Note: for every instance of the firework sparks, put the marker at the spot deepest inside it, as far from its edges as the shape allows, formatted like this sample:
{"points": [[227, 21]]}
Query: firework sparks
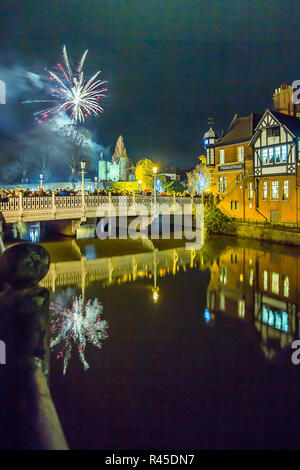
{"points": [[77, 326], [72, 93]]}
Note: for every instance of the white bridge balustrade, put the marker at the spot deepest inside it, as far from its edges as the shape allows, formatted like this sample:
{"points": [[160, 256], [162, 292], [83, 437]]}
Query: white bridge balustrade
{"points": [[126, 268], [42, 208]]}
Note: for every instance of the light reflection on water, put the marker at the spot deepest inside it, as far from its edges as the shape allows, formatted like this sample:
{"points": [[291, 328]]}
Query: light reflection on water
{"points": [[257, 284], [187, 327]]}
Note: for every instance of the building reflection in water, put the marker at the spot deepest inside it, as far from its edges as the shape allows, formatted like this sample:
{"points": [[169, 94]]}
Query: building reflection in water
{"points": [[75, 327], [260, 286], [252, 283]]}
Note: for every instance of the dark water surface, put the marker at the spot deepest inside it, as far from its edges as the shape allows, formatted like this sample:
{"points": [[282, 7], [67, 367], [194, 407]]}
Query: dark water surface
{"points": [[198, 353]]}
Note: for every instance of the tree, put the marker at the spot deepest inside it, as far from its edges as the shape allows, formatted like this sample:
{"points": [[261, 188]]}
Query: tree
{"points": [[168, 185], [76, 138], [144, 172], [198, 179], [216, 221], [120, 151]]}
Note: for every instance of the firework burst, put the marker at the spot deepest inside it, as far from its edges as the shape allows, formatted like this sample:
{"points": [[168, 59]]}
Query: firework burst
{"points": [[72, 93], [77, 326]]}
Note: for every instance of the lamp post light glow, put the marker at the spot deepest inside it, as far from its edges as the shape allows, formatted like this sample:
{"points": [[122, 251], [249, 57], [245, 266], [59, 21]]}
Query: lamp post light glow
{"points": [[96, 180], [155, 295], [41, 180], [140, 185], [82, 165]]}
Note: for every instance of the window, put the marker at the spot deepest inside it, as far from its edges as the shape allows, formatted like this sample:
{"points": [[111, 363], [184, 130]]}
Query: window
{"points": [[234, 258], [273, 131], [272, 155], [222, 156], [275, 190], [240, 154], [241, 308], [275, 283], [222, 184], [222, 301], [283, 153], [285, 189], [286, 286], [210, 156], [265, 280], [265, 190], [236, 205], [251, 276], [264, 155], [277, 154], [250, 190], [223, 274]]}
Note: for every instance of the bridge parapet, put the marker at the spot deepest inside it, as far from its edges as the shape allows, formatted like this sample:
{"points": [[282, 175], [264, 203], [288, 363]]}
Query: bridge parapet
{"points": [[40, 208]]}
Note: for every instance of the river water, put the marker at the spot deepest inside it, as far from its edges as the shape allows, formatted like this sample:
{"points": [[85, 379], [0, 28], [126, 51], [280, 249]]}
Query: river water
{"points": [[182, 349]]}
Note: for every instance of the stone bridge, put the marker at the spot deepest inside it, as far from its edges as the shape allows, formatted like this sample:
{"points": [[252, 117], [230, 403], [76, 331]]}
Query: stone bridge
{"points": [[120, 269], [78, 207]]}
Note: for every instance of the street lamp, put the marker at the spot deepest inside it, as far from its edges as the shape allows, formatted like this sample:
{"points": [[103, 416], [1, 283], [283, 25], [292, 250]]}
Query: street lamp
{"points": [[82, 165], [96, 182], [41, 180], [140, 185], [154, 182]]}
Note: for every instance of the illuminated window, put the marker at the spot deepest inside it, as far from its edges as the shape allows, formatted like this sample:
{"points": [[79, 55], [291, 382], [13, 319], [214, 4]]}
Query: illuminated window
{"points": [[283, 153], [275, 283], [264, 155], [222, 184], [240, 154], [275, 190], [210, 156], [222, 301], [250, 190], [277, 154], [286, 286], [222, 156], [285, 189], [265, 280], [285, 322], [223, 274], [241, 308], [251, 276], [265, 190]]}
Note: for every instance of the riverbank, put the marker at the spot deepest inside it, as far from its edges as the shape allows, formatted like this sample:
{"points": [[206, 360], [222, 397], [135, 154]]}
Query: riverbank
{"points": [[268, 232]]}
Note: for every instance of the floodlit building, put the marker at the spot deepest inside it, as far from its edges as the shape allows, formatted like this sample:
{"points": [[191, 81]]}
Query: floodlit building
{"points": [[254, 167]]}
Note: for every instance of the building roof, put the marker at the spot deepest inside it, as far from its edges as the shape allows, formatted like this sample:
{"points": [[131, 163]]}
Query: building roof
{"points": [[210, 133], [291, 122], [241, 130]]}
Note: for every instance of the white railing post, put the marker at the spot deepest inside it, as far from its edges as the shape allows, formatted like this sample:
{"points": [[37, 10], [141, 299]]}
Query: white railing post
{"points": [[21, 204], [53, 204], [174, 199]]}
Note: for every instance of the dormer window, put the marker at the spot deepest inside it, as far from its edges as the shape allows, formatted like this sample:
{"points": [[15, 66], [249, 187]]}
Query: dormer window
{"points": [[222, 156], [273, 131]]}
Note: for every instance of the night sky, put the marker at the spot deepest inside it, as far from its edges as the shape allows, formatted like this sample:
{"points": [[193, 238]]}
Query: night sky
{"points": [[170, 64]]}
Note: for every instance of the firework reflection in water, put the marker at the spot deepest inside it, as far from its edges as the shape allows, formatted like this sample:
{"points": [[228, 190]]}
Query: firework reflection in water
{"points": [[75, 327]]}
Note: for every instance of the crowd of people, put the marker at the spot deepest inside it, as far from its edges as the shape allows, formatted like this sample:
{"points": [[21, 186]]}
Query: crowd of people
{"points": [[6, 194]]}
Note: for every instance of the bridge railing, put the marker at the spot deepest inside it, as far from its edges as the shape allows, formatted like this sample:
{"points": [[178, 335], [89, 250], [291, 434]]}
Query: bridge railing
{"points": [[68, 202], [36, 203]]}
